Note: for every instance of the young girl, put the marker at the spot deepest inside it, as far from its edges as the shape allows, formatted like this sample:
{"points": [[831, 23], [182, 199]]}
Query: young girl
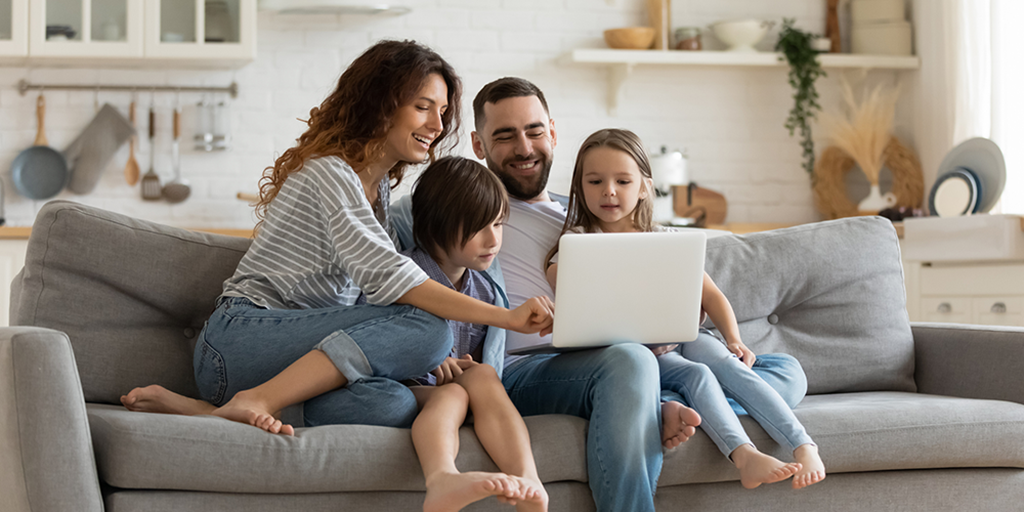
{"points": [[610, 193]]}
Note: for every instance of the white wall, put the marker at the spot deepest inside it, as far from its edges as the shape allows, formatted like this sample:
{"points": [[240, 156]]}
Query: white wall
{"points": [[729, 119]]}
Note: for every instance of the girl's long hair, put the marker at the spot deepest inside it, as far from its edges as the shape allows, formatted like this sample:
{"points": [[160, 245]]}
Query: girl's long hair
{"points": [[353, 122], [578, 215]]}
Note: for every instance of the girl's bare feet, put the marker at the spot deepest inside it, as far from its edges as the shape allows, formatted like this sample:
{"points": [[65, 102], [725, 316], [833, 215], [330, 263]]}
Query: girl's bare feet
{"points": [[450, 492], [813, 470], [534, 497], [245, 408], [156, 398], [678, 423], [757, 468]]}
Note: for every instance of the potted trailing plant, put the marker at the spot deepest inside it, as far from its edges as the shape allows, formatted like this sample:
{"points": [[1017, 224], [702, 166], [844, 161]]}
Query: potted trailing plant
{"points": [[804, 70]]}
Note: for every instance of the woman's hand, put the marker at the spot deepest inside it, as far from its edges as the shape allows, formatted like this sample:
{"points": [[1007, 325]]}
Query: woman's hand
{"points": [[452, 368], [661, 349], [745, 354], [535, 315]]}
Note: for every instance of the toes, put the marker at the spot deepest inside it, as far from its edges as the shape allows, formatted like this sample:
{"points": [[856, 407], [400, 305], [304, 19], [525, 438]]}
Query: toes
{"points": [[287, 430]]}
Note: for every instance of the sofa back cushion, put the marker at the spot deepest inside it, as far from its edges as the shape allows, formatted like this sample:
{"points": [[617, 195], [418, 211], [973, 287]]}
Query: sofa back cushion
{"points": [[132, 295], [831, 294]]}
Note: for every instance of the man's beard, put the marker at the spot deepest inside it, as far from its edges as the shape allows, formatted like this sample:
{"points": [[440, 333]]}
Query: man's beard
{"points": [[522, 190]]}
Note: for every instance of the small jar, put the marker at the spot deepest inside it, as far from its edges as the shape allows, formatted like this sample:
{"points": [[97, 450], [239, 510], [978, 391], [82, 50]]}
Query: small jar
{"points": [[688, 38]]}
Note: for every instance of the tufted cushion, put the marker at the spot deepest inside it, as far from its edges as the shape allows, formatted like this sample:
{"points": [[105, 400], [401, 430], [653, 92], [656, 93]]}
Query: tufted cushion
{"points": [[131, 295], [831, 294]]}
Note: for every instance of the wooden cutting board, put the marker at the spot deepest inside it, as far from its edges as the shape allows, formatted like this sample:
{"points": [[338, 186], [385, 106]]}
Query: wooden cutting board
{"points": [[659, 13], [690, 200]]}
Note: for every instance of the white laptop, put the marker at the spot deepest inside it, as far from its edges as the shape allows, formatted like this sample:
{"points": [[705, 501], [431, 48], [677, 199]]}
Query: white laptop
{"points": [[626, 288]]}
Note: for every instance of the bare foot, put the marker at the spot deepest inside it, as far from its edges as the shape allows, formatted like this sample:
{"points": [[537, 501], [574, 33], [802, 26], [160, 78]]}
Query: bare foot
{"points": [[757, 468], [245, 409], [156, 398], [450, 492], [534, 497], [813, 470], [679, 423]]}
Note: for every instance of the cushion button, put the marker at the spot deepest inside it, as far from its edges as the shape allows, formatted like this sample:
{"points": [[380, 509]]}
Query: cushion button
{"points": [[773, 319], [190, 333]]}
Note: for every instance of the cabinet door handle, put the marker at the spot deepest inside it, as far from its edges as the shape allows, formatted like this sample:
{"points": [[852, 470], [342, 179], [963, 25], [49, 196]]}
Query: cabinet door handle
{"points": [[945, 308], [998, 307]]}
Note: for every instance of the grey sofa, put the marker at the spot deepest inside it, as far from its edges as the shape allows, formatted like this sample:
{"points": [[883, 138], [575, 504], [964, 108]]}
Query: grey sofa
{"points": [[908, 417]]}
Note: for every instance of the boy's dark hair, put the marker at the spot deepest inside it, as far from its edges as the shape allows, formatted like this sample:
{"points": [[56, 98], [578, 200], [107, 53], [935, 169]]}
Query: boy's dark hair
{"points": [[454, 198], [502, 88]]}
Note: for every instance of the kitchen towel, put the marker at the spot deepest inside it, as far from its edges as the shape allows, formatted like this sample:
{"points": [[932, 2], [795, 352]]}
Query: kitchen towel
{"points": [[92, 150]]}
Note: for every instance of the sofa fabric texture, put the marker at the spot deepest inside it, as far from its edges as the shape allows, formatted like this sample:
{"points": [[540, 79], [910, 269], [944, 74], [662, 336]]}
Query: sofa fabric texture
{"points": [[831, 292]]}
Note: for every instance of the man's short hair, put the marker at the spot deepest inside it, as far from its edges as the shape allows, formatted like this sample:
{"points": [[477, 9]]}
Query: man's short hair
{"points": [[502, 88], [455, 198]]}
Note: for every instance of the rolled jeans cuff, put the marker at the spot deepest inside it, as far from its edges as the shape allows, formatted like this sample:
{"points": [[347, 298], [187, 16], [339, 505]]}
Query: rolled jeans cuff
{"points": [[346, 355]]}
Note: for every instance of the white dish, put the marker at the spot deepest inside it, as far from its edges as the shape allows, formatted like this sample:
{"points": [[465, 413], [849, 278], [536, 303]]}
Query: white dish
{"points": [[893, 38], [877, 11], [741, 35], [983, 157], [954, 194]]}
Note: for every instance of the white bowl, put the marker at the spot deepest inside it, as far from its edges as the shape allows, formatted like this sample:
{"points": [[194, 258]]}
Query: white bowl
{"points": [[741, 35]]}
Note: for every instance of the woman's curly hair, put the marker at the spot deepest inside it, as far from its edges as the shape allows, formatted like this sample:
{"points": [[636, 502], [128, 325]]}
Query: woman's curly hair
{"points": [[353, 122]]}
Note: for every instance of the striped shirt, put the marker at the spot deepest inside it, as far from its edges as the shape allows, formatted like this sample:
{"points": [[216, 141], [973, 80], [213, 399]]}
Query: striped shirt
{"points": [[322, 244]]}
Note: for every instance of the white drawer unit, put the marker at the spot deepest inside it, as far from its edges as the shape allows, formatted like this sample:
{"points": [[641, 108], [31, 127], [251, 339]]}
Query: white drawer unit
{"points": [[979, 293]]}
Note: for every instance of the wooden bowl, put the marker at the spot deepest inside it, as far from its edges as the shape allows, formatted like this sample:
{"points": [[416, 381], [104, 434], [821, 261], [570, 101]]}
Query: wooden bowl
{"points": [[629, 38]]}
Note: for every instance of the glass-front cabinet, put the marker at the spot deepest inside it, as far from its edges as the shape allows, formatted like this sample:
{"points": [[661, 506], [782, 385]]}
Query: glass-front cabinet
{"points": [[86, 28], [213, 29], [13, 28]]}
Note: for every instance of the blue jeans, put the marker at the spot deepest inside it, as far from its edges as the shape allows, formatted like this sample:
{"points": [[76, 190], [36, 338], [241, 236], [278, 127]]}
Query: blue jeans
{"points": [[705, 372], [374, 347], [617, 389]]}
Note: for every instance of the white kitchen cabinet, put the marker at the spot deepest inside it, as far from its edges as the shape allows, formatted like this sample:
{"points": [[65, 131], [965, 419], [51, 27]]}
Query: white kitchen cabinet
{"points": [[197, 30], [13, 28], [99, 28], [983, 293], [12, 259]]}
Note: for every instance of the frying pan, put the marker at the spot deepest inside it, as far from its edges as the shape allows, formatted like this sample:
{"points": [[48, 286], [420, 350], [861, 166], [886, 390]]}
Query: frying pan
{"points": [[40, 172]]}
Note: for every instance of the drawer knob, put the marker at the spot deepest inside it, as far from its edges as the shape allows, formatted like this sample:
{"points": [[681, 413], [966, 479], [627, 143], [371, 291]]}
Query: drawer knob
{"points": [[945, 308], [998, 307]]}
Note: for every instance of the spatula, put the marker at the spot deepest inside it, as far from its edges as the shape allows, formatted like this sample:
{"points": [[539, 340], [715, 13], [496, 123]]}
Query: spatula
{"points": [[131, 169], [151, 190]]}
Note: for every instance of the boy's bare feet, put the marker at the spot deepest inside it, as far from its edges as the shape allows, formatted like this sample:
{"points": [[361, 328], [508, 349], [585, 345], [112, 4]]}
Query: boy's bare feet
{"points": [[450, 492], [678, 423], [534, 497], [244, 408], [813, 470], [757, 468], [156, 398]]}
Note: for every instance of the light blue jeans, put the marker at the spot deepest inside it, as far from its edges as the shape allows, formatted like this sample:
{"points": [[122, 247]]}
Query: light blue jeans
{"points": [[706, 373], [617, 389], [374, 347]]}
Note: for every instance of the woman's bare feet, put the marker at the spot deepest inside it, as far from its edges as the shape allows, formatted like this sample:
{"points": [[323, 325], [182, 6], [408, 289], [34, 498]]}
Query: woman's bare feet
{"points": [[678, 423], [245, 408], [156, 398], [534, 497], [757, 468], [813, 470], [450, 492]]}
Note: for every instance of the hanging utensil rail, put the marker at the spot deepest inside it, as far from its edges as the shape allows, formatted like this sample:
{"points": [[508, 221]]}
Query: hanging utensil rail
{"points": [[24, 87]]}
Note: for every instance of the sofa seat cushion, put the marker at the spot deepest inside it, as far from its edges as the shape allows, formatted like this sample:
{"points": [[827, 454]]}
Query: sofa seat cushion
{"points": [[876, 431], [137, 450]]}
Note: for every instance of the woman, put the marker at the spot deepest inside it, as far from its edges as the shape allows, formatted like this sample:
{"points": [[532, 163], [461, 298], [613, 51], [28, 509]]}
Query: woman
{"points": [[285, 329]]}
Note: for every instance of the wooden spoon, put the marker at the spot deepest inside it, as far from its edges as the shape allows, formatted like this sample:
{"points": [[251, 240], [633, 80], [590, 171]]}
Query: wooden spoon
{"points": [[131, 169]]}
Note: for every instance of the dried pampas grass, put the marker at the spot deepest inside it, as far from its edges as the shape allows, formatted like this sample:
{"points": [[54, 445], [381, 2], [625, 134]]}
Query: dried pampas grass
{"points": [[830, 186], [865, 130]]}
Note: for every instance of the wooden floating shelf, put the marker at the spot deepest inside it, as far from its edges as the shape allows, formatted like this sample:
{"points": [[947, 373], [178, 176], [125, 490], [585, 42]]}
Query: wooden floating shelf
{"points": [[622, 62]]}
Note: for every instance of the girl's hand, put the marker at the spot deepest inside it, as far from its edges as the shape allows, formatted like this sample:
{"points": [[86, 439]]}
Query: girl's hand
{"points": [[745, 354], [535, 315], [452, 368], [661, 349]]}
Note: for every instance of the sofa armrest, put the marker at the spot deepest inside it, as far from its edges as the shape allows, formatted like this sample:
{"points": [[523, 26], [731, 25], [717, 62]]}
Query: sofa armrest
{"points": [[47, 462], [969, 361]]}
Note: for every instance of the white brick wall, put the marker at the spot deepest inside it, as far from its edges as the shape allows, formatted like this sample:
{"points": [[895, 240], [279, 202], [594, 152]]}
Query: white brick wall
{"points": [[729, 119]]}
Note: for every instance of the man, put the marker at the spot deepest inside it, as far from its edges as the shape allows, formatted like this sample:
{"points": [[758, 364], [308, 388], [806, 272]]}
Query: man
{"points": [[617, 388]]}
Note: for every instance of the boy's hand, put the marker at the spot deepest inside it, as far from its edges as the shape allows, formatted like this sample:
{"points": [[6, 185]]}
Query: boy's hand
{"points": [[535, 315], [661, 349], [452, 368], [745, 354]]}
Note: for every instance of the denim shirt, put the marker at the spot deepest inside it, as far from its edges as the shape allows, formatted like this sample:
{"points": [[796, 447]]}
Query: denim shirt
{"points": [[494, 342]]}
